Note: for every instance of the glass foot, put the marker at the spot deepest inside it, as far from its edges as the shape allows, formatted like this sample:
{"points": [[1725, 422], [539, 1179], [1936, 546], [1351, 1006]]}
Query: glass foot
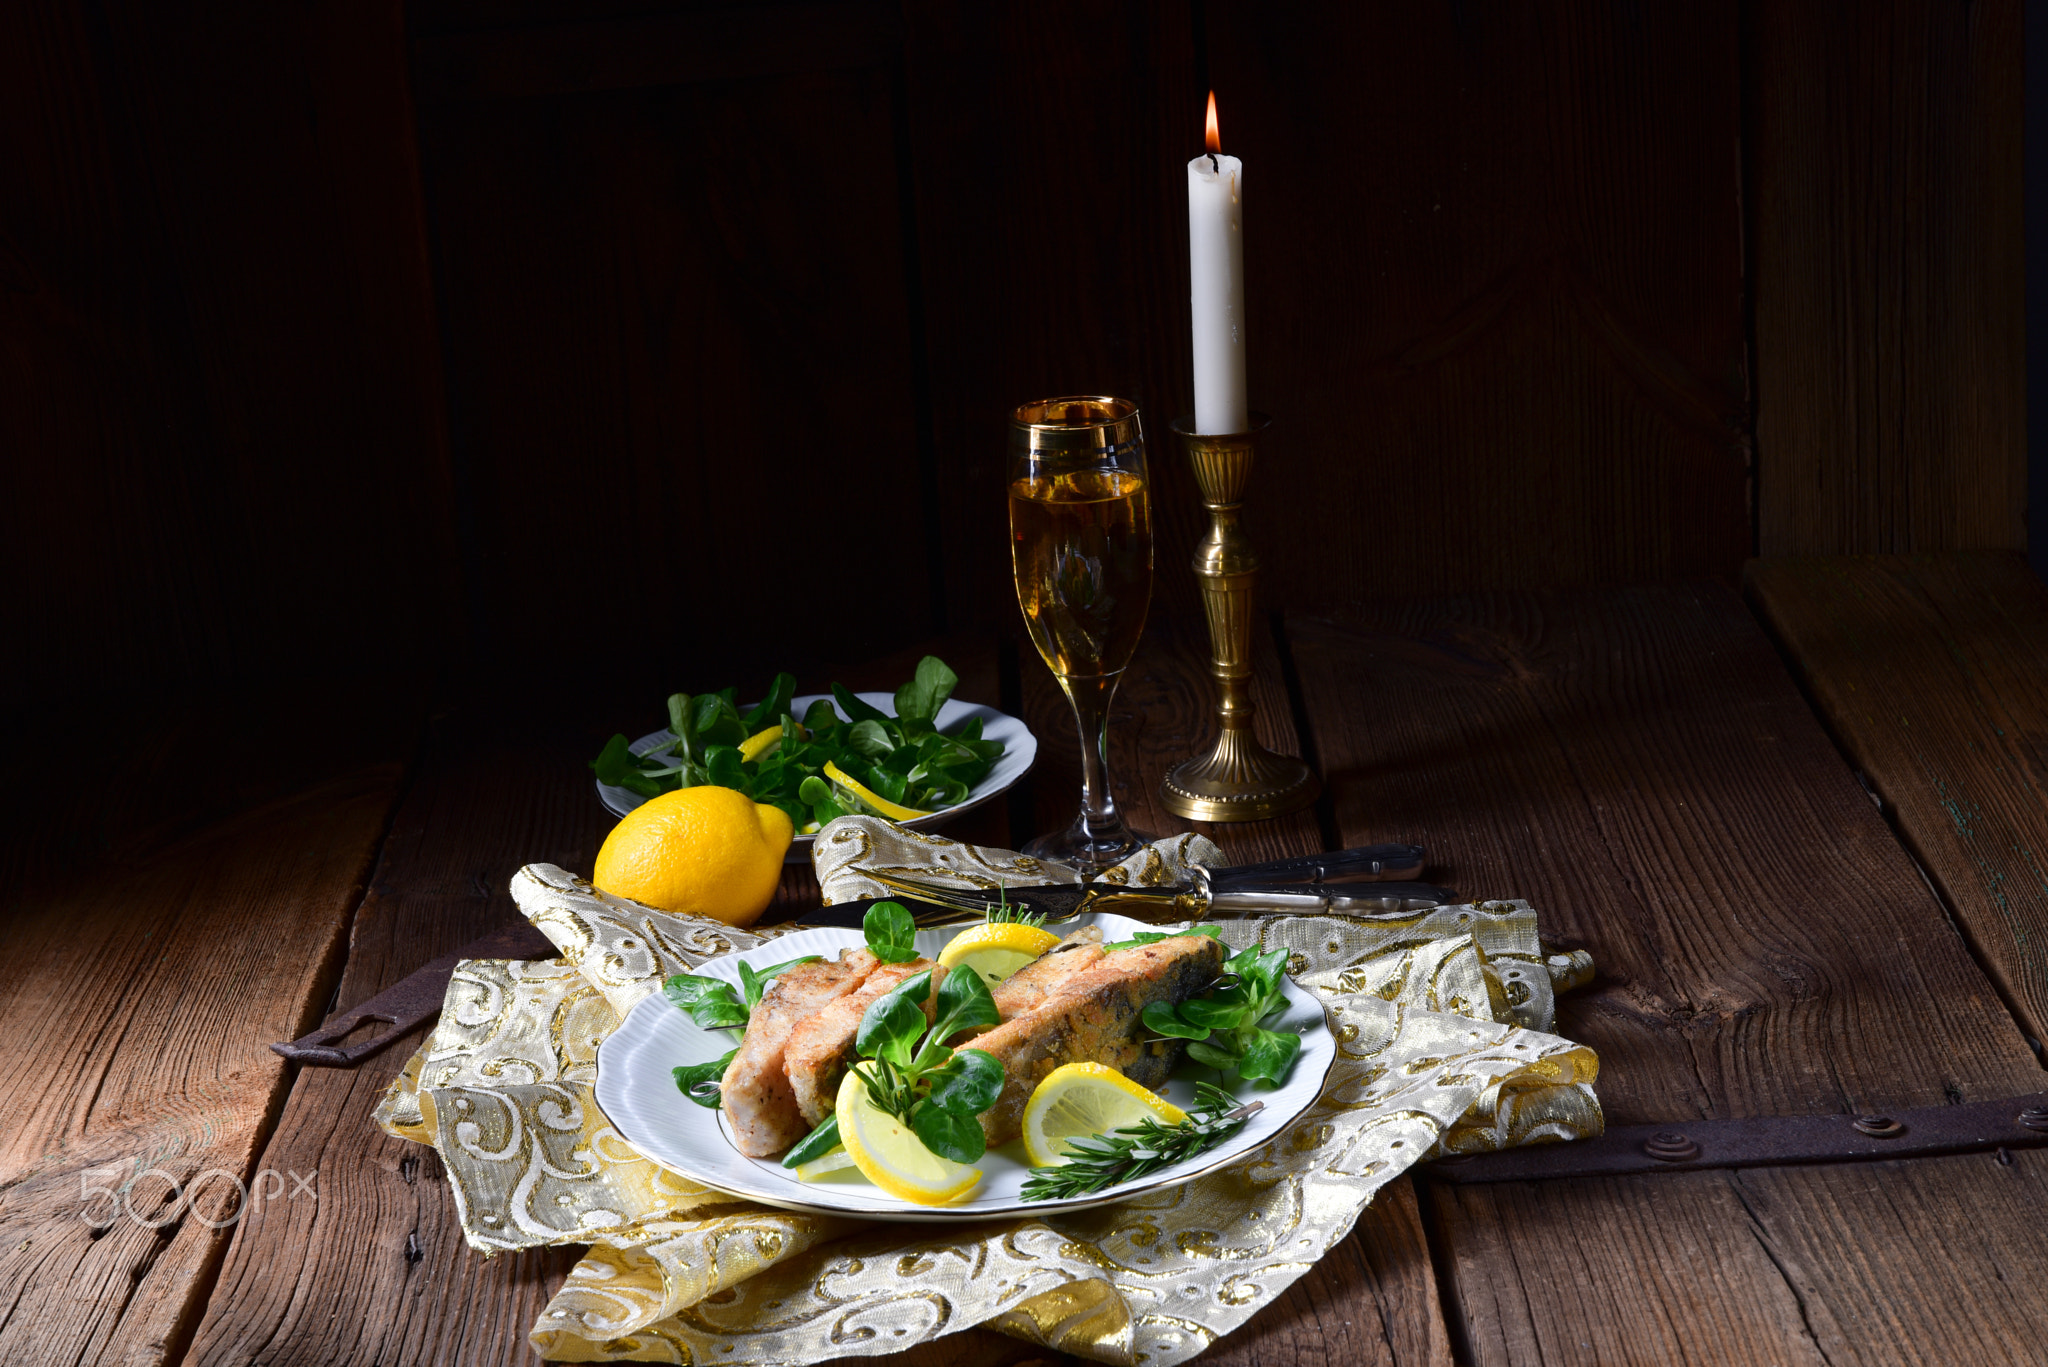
{"points": [[1091, 850]]}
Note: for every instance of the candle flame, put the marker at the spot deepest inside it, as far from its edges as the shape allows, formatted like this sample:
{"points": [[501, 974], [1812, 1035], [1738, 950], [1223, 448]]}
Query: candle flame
{"points": [[1210, 135]]}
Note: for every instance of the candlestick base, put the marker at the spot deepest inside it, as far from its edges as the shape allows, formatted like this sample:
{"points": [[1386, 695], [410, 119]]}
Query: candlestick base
{"points": [[1238, 779]]}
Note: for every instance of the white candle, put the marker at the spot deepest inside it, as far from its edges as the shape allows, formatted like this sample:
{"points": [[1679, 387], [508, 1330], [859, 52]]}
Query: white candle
{"points": [[1216, 268]]}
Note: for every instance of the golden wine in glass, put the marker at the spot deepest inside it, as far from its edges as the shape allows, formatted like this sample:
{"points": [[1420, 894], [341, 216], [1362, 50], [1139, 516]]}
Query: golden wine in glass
{"points": [[1081, 555]]}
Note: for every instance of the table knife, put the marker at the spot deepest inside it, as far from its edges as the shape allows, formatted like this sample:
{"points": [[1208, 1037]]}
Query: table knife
{"points": [[931, 905], [1277, 886]]}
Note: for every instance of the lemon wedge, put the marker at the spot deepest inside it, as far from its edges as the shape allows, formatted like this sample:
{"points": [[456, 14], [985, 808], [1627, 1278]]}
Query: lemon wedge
{"points": [[1080, 1099], [838, 1160], [891, 1156], [996, 951], [761, 742], [895, 811]]}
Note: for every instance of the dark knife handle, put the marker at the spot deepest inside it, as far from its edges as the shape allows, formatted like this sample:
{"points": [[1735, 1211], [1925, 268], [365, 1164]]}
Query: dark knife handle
{"points": [[850, 915], [415, 998], [1359, 864]]}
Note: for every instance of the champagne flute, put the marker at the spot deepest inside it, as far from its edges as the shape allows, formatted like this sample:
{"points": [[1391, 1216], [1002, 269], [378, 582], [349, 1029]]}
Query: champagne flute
{"points": [[1081, 553]]}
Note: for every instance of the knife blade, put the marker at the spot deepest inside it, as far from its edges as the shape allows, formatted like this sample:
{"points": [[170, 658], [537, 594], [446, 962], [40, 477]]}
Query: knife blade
{"points": [[1237, 890], [1155, 906]]}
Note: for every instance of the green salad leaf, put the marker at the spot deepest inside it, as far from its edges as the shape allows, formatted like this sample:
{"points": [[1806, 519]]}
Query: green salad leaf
{"points": [[913, 1074], [903, 758], [713, 1005], [1223, 1026], [891, 932], [816, 1144], [699, 1081]]}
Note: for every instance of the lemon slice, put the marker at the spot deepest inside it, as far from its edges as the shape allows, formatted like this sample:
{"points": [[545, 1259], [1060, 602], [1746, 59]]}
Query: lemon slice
{"points": [[761, 742], [997, 951], [892, 1157], [838, 1160], [895, 811], [1080, 1099]]}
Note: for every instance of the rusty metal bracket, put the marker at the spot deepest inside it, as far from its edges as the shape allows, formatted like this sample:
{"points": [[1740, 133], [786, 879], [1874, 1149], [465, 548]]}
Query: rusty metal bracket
{"points": [[1766, 1141], [412, 1000]]}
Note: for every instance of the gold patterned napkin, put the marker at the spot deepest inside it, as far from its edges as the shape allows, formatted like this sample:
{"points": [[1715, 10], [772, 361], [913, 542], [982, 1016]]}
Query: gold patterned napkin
{"points": [[1440, 1017]]}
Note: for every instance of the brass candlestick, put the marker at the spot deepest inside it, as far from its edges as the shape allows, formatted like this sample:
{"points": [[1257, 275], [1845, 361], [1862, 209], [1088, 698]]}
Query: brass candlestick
{"points": [[1238, 779]]}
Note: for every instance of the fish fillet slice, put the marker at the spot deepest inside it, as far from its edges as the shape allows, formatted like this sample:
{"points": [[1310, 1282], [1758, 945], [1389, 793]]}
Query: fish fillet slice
{"points": [[1027, 988], [755, 1093], [821, 1045], [1095, 1016]]}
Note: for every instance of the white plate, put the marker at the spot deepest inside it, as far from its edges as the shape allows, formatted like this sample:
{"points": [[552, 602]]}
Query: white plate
{"points": [[1020, 750], [636, 1090]]}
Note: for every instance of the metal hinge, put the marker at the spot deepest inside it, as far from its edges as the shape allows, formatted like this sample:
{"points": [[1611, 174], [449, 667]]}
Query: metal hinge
{"points": [[1766, 1141]]}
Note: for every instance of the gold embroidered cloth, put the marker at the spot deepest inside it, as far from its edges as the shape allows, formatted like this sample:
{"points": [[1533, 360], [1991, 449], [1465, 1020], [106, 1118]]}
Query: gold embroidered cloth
{"points": [[1441, 1020]]}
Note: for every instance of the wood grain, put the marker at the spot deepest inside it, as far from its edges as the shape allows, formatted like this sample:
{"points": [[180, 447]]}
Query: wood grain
{"points": [[1887, 271], [1927, 1261], [1637, 764], [1164, 712], [1494, 291], [681, 372], [161, 930], [1930, 670], [1373, 1298], [499, 786], [221, 394], [378, 1270], [1049, 145]]}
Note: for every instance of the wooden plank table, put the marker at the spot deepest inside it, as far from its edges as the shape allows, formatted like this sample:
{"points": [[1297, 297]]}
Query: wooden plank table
{"points": [[1638, 762]]}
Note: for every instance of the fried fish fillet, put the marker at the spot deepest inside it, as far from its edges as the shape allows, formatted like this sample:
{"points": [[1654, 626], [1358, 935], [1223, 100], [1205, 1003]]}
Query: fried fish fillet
{"points": [[1027, 988], [821, 1045], [1094, 1015], [755, 1092]]}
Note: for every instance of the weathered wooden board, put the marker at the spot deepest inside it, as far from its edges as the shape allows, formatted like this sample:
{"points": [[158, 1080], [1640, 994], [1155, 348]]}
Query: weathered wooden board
{"points": [[1373, 1299], [1932, 672], [679, 329], [168, 912], [220, 405], [1887, 263], [1164, 712], [1051, 232], [378, 1270], [1637, 764], [382, 1254], [1493, 283]]}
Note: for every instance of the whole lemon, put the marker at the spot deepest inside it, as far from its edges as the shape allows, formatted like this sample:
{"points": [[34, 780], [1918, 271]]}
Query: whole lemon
{"points": [[710, 851]]}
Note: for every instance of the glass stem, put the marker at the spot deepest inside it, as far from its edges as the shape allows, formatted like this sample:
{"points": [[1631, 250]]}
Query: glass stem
{"points": [[1090, 697]]}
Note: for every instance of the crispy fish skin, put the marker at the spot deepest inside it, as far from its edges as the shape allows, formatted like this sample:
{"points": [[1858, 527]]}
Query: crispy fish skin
{"points": [[755, 1093], [821, 1045], [1095, 1016], [1027, 989]]}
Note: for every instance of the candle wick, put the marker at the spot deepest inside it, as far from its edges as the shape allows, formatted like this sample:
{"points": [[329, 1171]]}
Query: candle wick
{"points": [[1215, 166]]}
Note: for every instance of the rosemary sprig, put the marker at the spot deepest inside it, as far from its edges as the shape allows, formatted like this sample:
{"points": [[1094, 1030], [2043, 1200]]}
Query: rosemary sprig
{"points": [[889, 1087], [1106, 1160], [1003, 912]]}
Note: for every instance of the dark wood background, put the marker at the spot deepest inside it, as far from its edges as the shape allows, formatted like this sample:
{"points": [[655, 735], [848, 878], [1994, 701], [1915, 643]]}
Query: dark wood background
{"points": [[599, 341]]}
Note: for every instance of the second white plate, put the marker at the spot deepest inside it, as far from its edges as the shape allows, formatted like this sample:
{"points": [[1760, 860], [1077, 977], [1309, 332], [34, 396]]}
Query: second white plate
{"points": [[1020, 751]]}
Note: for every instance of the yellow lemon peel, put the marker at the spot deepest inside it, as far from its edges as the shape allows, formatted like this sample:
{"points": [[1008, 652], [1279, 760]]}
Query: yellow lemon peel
{"points": [[1080, 1099], [891, 1156], [709, 851], [895, 811], [996, 951]]}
